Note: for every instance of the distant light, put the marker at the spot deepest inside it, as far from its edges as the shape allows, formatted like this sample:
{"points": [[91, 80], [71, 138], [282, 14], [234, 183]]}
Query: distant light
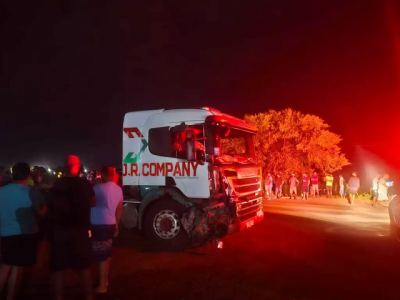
{"points": [[54, 173], [49, 170], [85, 171]]}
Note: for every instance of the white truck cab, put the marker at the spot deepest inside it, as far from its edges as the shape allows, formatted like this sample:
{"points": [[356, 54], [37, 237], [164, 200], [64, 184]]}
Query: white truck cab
{"points": [[192, 175]]}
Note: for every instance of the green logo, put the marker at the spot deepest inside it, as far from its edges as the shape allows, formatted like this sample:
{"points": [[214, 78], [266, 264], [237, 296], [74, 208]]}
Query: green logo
{"points": [[132, 158]]}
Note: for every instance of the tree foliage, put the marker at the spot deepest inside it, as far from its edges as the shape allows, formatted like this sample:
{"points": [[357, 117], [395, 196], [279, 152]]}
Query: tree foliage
{"points": [[290, 141]]}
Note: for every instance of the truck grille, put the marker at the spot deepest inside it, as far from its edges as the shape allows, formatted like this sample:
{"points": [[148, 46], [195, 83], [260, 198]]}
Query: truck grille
{"points": [[248, 185], [248, 201], [248, 210]]}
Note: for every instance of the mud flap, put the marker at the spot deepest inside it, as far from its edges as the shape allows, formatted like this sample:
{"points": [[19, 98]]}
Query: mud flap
{"points": [[129, 216]]}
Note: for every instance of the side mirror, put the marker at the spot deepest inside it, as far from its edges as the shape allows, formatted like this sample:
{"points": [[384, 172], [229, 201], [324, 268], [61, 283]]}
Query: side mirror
{"points": [[190, 147]]}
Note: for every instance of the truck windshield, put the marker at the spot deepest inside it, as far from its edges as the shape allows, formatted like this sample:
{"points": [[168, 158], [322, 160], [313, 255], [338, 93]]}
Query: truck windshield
{"points": [[232, 146]]}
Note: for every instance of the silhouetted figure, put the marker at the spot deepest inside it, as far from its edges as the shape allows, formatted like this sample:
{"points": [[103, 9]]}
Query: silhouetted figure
{"points": [[375, 186], [278, 186], [354, 185], [69, 217]]}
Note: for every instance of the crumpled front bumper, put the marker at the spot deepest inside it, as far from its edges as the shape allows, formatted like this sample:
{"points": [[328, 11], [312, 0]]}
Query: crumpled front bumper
{"points": [[240, 224]]}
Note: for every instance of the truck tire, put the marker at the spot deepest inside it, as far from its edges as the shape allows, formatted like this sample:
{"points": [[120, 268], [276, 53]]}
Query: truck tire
{"points": [[163, 227]]}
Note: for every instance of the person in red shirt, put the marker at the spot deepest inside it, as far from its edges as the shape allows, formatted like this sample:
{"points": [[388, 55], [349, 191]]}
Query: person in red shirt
{"points": [[306, 186], [314, 182]]}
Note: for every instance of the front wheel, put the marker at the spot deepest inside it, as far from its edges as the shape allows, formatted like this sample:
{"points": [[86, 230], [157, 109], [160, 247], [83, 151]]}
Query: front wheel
{"points": [[163, 227]]}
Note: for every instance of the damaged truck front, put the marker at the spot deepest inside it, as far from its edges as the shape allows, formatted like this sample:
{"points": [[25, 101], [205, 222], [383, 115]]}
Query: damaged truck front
{"points": [[190, 175]]}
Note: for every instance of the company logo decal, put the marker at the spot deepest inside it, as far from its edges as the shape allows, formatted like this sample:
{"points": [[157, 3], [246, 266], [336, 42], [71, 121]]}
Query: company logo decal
{"points": [[179, 169], [133, 157], [131, 166], [131, 130]]}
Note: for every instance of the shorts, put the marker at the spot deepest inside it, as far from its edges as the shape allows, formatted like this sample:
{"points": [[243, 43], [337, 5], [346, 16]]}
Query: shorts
{"points": [[278, 190], [306, 189], [352, 191], [268, 188], [19, 250], [293, 190], [102, 240], [70, 248]]}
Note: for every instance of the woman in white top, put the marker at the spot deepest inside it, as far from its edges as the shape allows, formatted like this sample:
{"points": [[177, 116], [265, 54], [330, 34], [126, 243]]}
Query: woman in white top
{"points": [[383, 189]]}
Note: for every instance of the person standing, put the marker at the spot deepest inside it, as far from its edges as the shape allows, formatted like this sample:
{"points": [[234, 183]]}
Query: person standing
{"points": [[69, 217], [315, 188], [389, 185], [383, 188], [354, 185], [329, 184], [306, 186], [293, 182], [342, 191], [269, 182], [19, 206], [278, 187], [4, 177], [375, 186], [105, 217]]}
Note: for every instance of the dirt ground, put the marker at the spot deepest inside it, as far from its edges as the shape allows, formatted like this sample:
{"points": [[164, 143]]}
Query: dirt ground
{"points": [[318, 249]]}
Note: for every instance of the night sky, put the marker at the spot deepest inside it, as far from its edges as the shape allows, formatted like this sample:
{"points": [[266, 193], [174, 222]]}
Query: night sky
{"points": [[70, 72]]}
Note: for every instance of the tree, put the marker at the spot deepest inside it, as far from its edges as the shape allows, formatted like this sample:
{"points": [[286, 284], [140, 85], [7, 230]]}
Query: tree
{"points": [[290, 141]]}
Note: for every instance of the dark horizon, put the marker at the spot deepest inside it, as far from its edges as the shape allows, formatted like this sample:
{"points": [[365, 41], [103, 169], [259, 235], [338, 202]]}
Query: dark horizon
{"points": [[69, 73]]}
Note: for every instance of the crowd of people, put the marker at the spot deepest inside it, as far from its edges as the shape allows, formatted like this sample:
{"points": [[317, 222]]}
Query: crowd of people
{"points": [[314, 185], [77, 219], [310, 185]]}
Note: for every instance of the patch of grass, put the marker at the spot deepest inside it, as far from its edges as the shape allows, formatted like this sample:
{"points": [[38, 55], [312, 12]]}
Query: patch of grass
{"points": [[367, 196]]}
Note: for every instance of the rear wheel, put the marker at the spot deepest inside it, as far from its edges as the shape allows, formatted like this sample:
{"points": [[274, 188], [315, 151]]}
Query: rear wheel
{"points": [[162, 225]]}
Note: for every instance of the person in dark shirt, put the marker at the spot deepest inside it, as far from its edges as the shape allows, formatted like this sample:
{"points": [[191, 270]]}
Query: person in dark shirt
{"points": [[354, 185], [69, 233]]}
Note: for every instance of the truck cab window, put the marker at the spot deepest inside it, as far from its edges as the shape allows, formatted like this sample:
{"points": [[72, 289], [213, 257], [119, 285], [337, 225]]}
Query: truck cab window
{"points": [[234, 146], [178, 144], [160, 141]]}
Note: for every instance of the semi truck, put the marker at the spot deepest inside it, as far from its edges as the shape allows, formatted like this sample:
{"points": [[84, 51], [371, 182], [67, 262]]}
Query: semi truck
{"points": [[189, 175]]}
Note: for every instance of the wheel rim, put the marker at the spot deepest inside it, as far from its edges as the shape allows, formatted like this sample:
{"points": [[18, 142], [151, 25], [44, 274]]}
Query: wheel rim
{"points": [[166, 224]]}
